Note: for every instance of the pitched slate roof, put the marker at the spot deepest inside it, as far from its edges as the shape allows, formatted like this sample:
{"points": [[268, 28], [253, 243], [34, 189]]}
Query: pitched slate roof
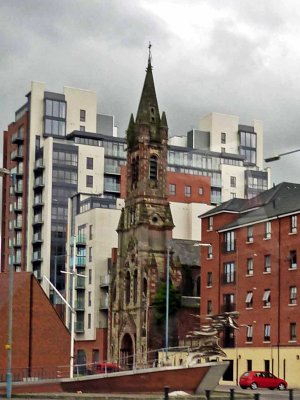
{"points": [[278, 201], [187, 253]]}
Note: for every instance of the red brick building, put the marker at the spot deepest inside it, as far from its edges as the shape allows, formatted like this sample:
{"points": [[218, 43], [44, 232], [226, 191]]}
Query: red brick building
{"points": [[252, 269], [40, 340]]}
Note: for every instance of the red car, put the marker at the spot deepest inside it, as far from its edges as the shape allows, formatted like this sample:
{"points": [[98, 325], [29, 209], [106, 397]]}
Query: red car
{"points": [[261, 379]]}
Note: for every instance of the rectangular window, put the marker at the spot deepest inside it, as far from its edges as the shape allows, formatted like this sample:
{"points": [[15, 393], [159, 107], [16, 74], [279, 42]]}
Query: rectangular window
{"points": [[249, 364], [293, 223], [201, 191], [267, 263], [228, 302], [229, 272], [249, 300], [210, 251], [210, 223], [90, 276], [229, 241], [233, 181], [267, 332], [293, 295], [250, 234], [172, 189], [268, 230], [90, 254], [82, 115], [293, 335], [223, 137], [89, 321], [209, 307], [209, 279], [249, 334], [89, 181], [89, 163], [267, 298], [90, 232], [89, 299], [187, 191], [232, 195], [82, 128], [293, 259]]}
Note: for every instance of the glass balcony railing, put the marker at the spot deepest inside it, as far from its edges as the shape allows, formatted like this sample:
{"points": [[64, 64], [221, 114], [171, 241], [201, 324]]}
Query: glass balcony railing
{"points": [[79, 326]]}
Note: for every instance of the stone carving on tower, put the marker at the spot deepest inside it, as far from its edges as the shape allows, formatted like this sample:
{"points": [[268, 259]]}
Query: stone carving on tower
{"points": [[144, 229]]}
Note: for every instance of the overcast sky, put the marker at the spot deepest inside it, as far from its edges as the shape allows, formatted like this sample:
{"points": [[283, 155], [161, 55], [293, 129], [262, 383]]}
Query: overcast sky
{"points": [[239, 57]]}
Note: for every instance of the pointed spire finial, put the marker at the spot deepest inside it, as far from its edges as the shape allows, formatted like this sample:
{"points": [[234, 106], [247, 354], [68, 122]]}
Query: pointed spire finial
{"points": [[150, 55]]}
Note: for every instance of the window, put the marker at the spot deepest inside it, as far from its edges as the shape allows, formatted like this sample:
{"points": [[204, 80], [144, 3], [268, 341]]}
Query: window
{"points": [[82, 128], [210, 251], [209, 279], [172, 189], [233, 181], [209, 307], [293, 223], [248, 147], [268, 230], [267, 298], [267, 264], [293, 295], [90, 232], [293, 259], [229, 272], [232, 195], [127, 286], [228, 301], [249, 333], [229, 241], [82, 115], [201, 191], [89, 181], [89, 163], [249, 300], [90, 276], [250, 234], [90, 254], [293, 336], [187, 191], [153, 168], [210, 223], [223, 150], [267, 332], [223, 137], [54, 108], [89, 299], [89, 321]]}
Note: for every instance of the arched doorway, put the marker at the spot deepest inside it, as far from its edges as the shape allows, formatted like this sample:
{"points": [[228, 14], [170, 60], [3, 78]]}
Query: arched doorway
{"points": [[127, 352]]}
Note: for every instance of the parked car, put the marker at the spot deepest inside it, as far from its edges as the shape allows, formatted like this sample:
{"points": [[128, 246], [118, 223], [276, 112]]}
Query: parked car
{"points": [[261, 379]]}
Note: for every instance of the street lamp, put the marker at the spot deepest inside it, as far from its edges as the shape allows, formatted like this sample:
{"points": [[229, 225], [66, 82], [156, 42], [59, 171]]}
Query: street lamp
{"points": [[6, 172], [276, 157]]}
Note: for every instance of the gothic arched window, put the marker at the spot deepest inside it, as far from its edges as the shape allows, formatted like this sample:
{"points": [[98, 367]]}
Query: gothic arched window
{"points": [[153, 168], [135, 286], [134, 172], [145, 287], [127, 288]]}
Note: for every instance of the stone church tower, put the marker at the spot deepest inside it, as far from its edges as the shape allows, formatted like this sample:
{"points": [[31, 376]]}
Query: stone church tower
{"points": [[144, 229]]}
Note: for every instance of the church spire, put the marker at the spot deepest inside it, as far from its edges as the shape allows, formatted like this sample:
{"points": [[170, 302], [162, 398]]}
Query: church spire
{"points": [[148, 111]]}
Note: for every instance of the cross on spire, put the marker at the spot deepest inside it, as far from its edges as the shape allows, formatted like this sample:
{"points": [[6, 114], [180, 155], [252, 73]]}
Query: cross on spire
{"points": [[150, 55]]}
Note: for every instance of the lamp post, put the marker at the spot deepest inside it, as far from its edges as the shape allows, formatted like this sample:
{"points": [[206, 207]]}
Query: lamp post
{"points": [[6, 172], [276, 157]]}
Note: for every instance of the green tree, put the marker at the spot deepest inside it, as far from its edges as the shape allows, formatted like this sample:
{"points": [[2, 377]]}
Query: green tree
{"points": [[159, 303]]}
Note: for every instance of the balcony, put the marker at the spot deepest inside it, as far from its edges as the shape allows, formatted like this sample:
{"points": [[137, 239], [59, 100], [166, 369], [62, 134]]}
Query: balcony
{"points": [[37, 273], [228, 278], [104, 280], [79, 326], [37, 256], [18, 205], [80, 240], [79, 305], [103, 303], [17, 155], [37, 219], [17, 242], [112, 169], [110, 187], [228, 307], [37, 238], [17, 260], [229, 247], [38, 201], [19, 188], [17, 137], [39, 164], [80, 261], [38, 183], [80, 282], [18, 224]]}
